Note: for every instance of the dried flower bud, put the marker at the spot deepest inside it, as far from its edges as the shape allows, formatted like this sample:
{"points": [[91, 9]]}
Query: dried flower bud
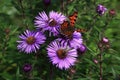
{"points": [[100, 45], [112, 12], [72, 70], [107, 46], [69, 1], [7, 30], [101, 9], [46, 2], [69, 78], [77, 61], [104, 43], [27, 67]]}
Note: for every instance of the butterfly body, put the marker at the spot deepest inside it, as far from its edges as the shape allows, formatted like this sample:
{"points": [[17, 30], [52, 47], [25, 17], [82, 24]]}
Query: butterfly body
{"points": [[67, 27]]}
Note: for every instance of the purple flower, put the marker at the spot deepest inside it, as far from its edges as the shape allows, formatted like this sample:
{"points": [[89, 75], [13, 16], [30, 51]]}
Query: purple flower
{"points": [[61, 54], [74, 41], [101, 9], [27, 67], [30, 41], [51, 22]]}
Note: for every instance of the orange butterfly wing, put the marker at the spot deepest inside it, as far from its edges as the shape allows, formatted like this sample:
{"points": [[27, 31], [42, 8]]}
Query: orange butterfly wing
{"points": [[73, 19], [64, 25], [66, 29], [81, 30]]}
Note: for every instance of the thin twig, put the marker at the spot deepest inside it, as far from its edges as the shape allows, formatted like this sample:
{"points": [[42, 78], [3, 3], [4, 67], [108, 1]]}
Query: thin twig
{"points": [[23, 13], [51, 72], [101, 51], [62, 5], [5, 44]]}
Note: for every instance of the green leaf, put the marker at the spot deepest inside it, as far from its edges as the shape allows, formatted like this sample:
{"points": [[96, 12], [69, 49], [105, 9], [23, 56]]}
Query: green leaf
{"points": [[6, 76], [17, 73], [114, 73]]}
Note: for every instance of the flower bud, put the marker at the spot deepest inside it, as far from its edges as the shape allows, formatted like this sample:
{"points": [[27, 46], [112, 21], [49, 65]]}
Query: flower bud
{"points": [[101, 9], [100, 45], [7, 30], [95, 61], [105, 40], [104, 43], [107, 46], [46, 2], [27, 67], [72, 70], [112, 12], [82, 49]]}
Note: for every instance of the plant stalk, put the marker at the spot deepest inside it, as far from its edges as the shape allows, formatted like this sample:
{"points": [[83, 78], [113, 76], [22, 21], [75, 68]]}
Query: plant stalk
{"points": [[101, 68]]}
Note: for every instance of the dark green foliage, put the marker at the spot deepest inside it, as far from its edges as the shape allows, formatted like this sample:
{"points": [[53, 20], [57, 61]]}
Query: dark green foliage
{"points": [[18, 15]]}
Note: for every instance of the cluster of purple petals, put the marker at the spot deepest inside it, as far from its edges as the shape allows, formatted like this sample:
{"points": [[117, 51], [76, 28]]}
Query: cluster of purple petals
{"points": [[101, 9], [27, 67], [30, 41], [23, 45], [62, 52], [75, 43], [66, 62], [50, 22]]}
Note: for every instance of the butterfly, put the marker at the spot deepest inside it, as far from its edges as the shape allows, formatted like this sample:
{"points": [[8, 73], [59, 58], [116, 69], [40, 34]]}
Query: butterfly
{"points": [[67, 27]]}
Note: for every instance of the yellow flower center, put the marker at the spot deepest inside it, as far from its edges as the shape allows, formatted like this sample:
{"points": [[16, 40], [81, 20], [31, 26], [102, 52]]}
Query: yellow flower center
{"points": [[61, 53], [30, 40]]}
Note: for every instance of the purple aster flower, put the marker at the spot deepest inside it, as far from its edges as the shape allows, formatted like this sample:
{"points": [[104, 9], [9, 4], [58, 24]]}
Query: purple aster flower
{"points": [[101, 9], [41, 20], [51, 22], [75, 40], [30, 41], [61, 54], [27, 67]]}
